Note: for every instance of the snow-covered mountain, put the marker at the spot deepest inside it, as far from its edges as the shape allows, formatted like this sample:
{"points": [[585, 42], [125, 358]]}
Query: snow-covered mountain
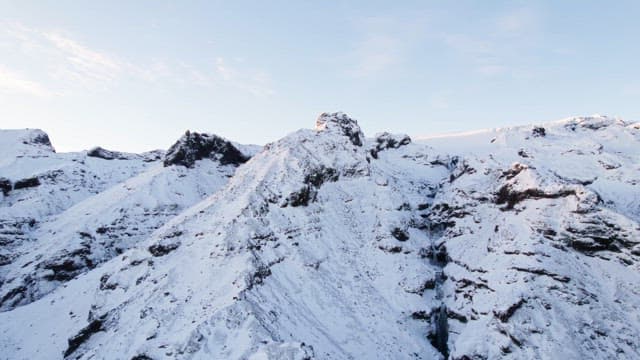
{"points": [[511, 243]]}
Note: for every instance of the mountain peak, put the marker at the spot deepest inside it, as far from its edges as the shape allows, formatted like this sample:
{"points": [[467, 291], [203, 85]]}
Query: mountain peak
{"points": [[341, 123], [30, 137], [193, 146]]}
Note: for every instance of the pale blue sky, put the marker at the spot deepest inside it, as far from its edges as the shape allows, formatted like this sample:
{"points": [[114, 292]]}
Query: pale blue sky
{"points": [[133, 75]]}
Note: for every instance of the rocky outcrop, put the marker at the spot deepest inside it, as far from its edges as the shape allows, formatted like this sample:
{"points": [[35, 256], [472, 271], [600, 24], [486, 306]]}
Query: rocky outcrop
{"points": [[26, 183], [341, 123], [386, 141], [5, 186], [38, 138], [195, 146], [105, 154]]}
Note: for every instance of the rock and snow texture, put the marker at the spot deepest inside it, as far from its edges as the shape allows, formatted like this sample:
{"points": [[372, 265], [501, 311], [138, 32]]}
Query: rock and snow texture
{"points": [[83, 209], [509, 243]]}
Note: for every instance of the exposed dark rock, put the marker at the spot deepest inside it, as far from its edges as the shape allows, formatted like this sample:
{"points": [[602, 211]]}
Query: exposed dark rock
{"points": [[506, 314], [459, 170], [392, 249], [321, 175], [161, 249], [81, 337], [510, 197], [597, 235], [544, 272], [105, 284], [141, 357], [5, 186], [428, 285], [400, 234], [343, 124], [63, 271], [456, 316], [14, 296], [68, 265], [192, 147], [389, 141], [539, 131], [470, 357], [257, 278], [465, 283], [423, 206], [421, 315], [442, 215], [523, 153], [516, 169], [26, 183], [41, 138], [302, 197], [105, 154]]}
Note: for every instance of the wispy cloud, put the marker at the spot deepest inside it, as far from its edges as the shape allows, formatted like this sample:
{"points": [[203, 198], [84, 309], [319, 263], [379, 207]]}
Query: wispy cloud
{"points": [[15, 83], [68, 64], [256, 82], [84, 61], [58, 59]]}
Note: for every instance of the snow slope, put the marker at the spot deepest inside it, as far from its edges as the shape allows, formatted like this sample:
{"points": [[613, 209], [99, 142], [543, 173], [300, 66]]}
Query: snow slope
{"points": [[508, 243], [83, 231]]}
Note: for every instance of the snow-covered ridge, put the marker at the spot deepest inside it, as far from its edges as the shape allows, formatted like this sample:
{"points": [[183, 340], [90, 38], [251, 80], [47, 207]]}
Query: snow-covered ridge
{"points": [[514, 243], [78, 210]]}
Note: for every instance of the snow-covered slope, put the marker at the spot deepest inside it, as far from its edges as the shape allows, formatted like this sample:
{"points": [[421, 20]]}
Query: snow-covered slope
{"points": [[38, 183], [508, 243], [81, 232]]}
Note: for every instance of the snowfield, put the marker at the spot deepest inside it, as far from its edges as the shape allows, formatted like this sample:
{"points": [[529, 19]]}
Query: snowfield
{"points": [[514, 243]]}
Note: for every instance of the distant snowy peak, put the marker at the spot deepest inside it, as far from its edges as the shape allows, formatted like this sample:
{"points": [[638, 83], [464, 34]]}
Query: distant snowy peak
{"points": [[339, 122], [193, 146]]}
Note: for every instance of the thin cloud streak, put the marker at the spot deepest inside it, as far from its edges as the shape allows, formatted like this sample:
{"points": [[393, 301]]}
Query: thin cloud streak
{"points": [[70, 65]]}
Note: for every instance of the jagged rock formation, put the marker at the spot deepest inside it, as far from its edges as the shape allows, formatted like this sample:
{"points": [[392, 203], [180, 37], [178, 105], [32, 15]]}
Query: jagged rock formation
{"points": [[340, 123], [194, 146], [329, 245]]}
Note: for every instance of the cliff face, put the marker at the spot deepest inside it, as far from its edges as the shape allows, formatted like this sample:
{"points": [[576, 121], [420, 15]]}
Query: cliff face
{"points": [[508, 243]]}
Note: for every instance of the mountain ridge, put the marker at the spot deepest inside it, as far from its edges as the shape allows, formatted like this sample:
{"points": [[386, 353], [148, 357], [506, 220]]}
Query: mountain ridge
{"points": [[515, 243]]}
